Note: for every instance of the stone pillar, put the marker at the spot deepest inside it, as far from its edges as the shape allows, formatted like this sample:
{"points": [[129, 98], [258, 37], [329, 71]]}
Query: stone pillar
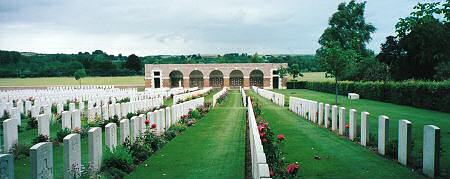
{"points": [[431, 150], [111, 135], [166, 83], [186, 82], [327, 115], [205, 82], [7, 166], [365, 128], [246, 82], [383, 133], [267, 83], [342, 120], [353, 133], [72, 155], [404, 141], [226, 81], [95, 148], [41, 160], [334, 114]]}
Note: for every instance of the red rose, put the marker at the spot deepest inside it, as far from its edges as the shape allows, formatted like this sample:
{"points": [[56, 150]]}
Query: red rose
{"points": [[347, 126], [263, 134], [281, 137], [147, 122], [293, 168], [153, 126], [261, 128]]}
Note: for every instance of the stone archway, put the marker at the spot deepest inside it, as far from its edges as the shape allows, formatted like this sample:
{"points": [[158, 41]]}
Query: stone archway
{"points": [[236, 78], [257, 78], [176, 79], [216, 79], [196, 79]]}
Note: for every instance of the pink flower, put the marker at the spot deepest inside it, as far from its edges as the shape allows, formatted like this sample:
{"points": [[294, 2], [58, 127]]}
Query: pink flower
{"points": [[293, 168], [147, 122], [264, 140], [153, 126], [281, 137], [347, 126]]}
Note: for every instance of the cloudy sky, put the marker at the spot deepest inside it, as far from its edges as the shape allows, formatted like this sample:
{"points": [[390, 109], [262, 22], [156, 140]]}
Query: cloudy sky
{"points": [[150, 27]]}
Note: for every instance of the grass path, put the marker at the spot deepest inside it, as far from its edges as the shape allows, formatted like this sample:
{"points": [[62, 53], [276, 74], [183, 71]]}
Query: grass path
{"points": [[214, 148], [340, 158], [418, 117]]}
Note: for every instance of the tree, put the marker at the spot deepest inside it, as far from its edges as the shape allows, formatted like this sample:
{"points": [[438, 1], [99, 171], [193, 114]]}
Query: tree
{"points": [[422, 43], [335, 61], [294, 70], [81, 73], [133, 63], [343, 43]]}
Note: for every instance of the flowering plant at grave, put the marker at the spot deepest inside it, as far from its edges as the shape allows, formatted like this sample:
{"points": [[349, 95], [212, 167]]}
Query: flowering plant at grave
{"points": [[153, 126], [292, 169], [147, 122], [222, 97], [272, 149], [347, 126]]}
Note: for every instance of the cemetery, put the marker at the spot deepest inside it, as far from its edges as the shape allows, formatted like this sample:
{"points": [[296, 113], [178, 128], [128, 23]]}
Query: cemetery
{"points": [[248, 90]]}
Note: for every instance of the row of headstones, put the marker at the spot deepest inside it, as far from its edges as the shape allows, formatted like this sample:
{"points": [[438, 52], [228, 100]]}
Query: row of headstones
{"points": [[276, 98], [80, 87], [122, 109], [185, 96], [320, 113], [260, 168], [42, 155], [217, 95]]}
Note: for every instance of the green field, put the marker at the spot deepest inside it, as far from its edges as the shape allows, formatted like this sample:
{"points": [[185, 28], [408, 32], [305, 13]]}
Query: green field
{"points": [[339, 158], [214, 148], [312, 76], [48, 81], [418, 117]]}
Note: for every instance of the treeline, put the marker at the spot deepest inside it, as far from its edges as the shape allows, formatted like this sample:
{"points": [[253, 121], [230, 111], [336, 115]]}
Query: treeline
{"points": [[99, 63]]}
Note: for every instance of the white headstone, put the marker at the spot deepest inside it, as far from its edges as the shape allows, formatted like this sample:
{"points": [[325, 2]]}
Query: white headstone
{"points": [[72, 155], [383, 134], [404, 141], [66, 120], [134, 126], [95, 148], [334, 113], [327, 115], [111, 135], [124, 130], [353, 127], [10, 134], [342, 120], [320, 114], [431, 150], [365, 128], [6, 166], [76, 119], [44, 124], [41, 158]]}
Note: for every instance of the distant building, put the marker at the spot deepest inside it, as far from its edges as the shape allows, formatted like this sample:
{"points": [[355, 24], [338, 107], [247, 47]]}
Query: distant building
{"points": [[264, 75]]}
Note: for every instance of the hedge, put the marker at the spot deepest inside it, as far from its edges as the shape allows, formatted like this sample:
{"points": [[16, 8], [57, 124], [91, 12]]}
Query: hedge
{"points": [[421, 94]]}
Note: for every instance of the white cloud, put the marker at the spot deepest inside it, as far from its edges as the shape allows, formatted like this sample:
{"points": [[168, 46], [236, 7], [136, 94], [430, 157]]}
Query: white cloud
{"points": [[179, 26]]}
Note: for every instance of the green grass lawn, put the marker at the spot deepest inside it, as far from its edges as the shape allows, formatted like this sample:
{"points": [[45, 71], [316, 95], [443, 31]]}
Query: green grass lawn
{"points": [[418, 117], [312, 76], [339, 157], [214, 148], [47, 81]]}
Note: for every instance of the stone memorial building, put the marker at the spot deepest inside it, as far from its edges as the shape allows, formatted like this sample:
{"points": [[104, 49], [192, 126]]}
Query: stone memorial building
{"points": [[263, 75]]}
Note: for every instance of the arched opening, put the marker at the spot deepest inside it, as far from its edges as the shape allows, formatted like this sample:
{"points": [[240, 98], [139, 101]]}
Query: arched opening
{"points": [[176, 79], [257, 78], [236, 78], [216, 79], [196, 79]]}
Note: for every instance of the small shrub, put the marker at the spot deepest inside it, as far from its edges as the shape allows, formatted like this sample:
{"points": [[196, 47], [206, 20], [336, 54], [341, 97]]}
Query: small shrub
{"points": [[118, 163], [32, 123], [61, 134], [124, 100], [140, 151], [41, 138], [196, 114], [178, 128], [20, 150], [169, 135]]}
